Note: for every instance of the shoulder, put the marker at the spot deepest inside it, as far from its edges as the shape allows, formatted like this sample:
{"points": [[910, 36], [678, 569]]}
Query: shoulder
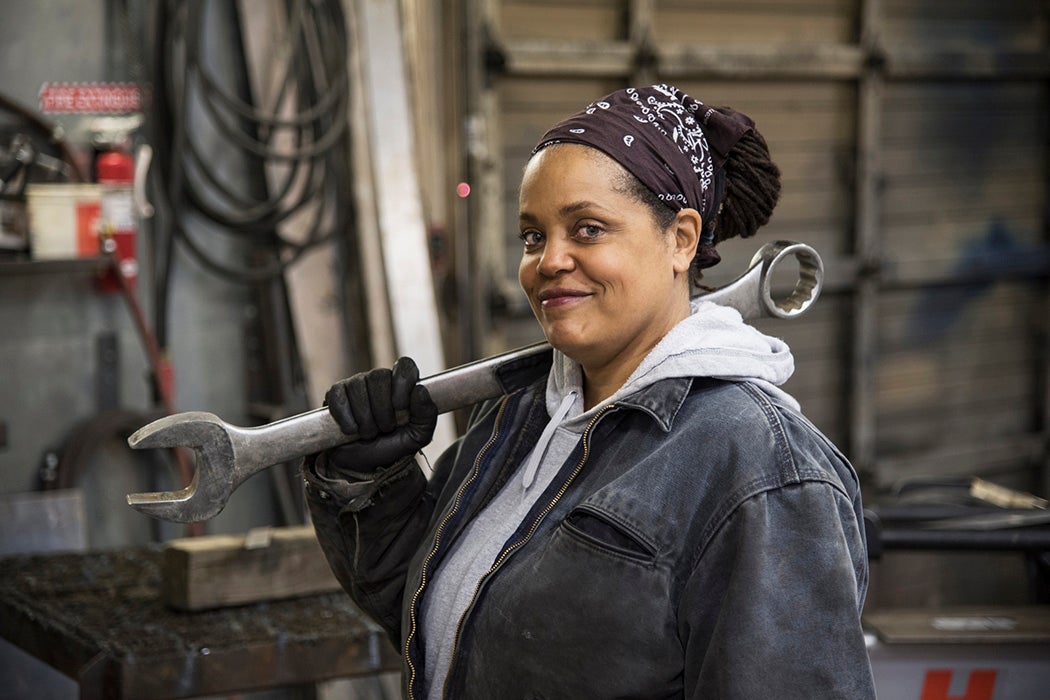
{"points": [[761, 439], [759, 457]]}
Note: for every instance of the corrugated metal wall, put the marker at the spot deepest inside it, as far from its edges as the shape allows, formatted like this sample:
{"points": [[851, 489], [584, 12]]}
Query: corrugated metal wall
{"points": [[913, 142]]}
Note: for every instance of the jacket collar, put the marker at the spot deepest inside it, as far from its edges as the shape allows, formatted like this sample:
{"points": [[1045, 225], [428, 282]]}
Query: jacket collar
{"points": [[661, 400]]}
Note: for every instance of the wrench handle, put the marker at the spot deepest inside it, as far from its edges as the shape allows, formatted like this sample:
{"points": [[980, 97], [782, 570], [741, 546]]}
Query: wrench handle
{"points": [[751, 294], [316, 430], [231, 454]]}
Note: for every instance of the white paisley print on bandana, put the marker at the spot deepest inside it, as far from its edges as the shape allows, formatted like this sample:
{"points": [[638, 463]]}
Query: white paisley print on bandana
{"points": [[686, 133]]}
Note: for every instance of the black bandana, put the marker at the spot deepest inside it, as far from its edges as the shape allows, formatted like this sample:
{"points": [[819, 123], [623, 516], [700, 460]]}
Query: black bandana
{"points": [[675, 146]]}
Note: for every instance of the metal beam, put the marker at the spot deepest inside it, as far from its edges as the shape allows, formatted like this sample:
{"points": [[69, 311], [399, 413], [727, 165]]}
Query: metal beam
{"points": [[608, 59], [398, 197], [867, 249], [613, 59], [969, 63], [811, 62]]}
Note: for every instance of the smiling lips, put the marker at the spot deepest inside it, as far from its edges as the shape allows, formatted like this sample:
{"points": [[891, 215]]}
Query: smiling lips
{"points": [[550, 298]]}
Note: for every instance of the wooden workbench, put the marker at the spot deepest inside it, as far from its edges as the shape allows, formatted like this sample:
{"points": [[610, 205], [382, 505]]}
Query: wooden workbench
{"points": [[99, 619]]}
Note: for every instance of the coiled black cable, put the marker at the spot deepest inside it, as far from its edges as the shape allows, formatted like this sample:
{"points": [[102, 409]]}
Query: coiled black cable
{"points": [[299, 140]]}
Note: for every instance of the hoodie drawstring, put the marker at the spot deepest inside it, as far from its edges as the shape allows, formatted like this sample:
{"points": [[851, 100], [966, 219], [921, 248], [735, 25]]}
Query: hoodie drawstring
{"points": [[538, 452]]}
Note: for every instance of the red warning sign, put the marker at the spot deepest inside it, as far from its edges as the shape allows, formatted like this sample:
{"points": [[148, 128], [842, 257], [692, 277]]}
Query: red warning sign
{"points": [[979, 686], [90, 98]]}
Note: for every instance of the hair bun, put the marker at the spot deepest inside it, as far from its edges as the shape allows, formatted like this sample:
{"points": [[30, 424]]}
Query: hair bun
{"points": [[752, 188]]}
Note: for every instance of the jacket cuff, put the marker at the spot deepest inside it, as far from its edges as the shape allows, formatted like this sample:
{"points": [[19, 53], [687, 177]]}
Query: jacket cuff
{"points": [[352, 491]]}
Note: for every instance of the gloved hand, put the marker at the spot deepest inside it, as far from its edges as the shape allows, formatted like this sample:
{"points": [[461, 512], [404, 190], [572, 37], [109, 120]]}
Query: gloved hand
{"points": [[367, 405]]}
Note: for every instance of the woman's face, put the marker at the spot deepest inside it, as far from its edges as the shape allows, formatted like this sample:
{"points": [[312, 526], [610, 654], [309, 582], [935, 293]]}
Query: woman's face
{"points": [[605, 283]]}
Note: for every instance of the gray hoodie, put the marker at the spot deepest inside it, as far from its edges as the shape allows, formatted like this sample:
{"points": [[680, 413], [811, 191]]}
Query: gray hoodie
{"points": [[712, 342]]}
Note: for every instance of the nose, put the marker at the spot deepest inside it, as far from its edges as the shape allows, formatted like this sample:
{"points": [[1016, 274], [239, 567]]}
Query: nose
{"points": [[556, 257]]}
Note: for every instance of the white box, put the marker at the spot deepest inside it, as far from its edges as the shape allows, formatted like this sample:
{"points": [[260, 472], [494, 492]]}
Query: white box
{"points": [[63, 220]]}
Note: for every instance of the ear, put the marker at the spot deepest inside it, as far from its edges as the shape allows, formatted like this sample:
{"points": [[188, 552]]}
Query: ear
{"points": [[686, 228]]}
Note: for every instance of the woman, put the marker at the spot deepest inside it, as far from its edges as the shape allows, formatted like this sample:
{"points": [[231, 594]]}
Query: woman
{"points": [[652, 517]]}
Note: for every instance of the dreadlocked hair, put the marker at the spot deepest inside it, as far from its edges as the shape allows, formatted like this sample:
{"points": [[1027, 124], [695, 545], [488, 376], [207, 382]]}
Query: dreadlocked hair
{"points": [[752, 188]]}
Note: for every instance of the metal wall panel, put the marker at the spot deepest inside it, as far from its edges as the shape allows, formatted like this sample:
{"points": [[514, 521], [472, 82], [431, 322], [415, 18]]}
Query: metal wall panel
{"points": [[577, 20], [754, 21], [810, 129], [957, 376], [913, 140], [966, 24]]}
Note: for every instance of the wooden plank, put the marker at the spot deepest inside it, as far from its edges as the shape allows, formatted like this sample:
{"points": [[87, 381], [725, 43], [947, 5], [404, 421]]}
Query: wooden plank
{"points": [[568, 58], [200, 573], [563, 20], [784, 22], [761, 61]]}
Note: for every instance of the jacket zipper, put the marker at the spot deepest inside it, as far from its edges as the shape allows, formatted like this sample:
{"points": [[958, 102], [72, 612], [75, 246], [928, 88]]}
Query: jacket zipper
{"points": [[437, 542], [528, 535]]}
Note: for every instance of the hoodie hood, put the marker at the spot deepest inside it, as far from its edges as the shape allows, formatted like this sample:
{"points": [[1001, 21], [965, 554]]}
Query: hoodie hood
{"points": [[713, 342]]}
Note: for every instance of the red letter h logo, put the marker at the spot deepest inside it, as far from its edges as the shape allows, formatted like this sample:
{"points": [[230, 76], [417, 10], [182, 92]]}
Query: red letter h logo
{"points": [[978, 687]]}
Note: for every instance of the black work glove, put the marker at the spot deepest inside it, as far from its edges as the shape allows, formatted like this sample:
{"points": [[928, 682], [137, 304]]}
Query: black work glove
{"points": [[367, 405]]}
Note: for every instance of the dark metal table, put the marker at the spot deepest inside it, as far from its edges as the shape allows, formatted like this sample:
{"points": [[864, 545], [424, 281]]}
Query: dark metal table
{"points": [[99, 619]]}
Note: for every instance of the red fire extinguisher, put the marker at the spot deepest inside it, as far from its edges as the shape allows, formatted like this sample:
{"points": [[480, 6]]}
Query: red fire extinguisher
{"points": [[117, 223]]}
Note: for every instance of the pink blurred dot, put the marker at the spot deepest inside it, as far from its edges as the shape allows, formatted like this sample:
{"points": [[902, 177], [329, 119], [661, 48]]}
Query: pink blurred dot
{"points": [[463, 189]]}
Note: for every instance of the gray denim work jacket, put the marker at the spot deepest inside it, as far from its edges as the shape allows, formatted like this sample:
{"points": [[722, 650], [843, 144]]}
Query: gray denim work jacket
{"points": [[703, 541]]}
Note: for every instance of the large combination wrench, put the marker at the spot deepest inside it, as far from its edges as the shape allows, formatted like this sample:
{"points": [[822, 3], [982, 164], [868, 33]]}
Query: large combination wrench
{"points": [[226, 454]]}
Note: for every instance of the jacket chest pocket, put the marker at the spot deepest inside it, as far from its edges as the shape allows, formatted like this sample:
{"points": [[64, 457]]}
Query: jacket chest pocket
{"points": [[608, 534]]}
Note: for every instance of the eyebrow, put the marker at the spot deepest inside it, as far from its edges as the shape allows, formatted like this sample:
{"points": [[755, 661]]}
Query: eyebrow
{"points": [[571, 208]]}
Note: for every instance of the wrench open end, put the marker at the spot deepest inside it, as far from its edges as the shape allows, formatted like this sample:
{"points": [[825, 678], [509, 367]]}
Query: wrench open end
{"points": [[181, 430], [173, 506], [205, 497]]}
